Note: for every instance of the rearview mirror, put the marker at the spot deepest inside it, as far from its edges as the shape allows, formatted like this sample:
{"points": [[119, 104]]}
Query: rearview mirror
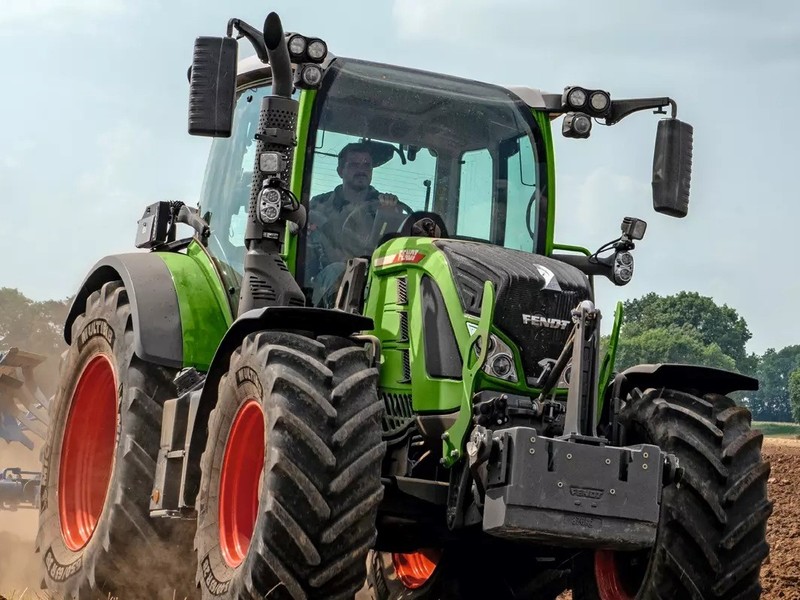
{"points": [[212, 85], [672, 167]]}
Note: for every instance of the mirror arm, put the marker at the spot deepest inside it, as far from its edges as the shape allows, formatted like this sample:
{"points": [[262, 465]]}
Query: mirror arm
{"points": [[599, 266], [622, 108], [251, 33]]}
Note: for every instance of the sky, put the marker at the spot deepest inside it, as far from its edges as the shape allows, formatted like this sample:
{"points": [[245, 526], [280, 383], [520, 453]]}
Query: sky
{"points": [[94, 115]]}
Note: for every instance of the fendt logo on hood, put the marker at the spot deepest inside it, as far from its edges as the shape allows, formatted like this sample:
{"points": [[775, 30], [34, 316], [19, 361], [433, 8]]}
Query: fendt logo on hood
{"points": [[542, 321]]}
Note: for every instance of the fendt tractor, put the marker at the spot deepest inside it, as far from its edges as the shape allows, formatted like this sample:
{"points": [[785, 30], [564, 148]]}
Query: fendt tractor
{"points": [[367, 367]]}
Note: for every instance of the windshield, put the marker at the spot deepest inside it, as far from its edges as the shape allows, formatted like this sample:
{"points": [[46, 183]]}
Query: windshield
{"points": [[386, 136], [468, 152]]}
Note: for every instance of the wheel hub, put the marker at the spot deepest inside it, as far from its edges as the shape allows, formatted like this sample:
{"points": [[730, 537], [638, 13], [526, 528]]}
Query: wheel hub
{"points": [[242, 465], [87, 452], [414, 569]]}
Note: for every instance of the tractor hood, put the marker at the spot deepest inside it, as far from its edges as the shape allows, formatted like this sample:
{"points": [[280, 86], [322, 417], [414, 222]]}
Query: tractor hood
{"points": [[534, 295]]}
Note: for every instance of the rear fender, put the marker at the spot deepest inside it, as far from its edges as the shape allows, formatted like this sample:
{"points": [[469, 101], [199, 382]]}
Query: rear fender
{"points": [[178, 306]]}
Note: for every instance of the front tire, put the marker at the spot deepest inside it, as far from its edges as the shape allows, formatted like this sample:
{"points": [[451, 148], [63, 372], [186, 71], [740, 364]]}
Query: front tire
{"points": [[96, 536], [291, 473], [711, 536]]}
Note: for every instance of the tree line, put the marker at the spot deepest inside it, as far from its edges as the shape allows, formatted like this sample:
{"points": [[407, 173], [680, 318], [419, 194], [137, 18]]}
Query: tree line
{"points": [[681, 328], [690, 328]]}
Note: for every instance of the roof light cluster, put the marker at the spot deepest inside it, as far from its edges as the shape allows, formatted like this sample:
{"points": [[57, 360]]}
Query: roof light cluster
{"points": [[307, 53], [583, 104]]}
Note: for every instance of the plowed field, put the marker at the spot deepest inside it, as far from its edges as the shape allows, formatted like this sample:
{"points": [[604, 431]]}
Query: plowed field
{"points": [[780, 575]]}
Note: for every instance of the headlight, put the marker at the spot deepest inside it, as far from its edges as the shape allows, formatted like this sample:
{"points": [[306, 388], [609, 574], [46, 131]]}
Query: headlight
{"points": [[269, 205], [502, 365], [317, 50], [499, 359], [297, 46]]}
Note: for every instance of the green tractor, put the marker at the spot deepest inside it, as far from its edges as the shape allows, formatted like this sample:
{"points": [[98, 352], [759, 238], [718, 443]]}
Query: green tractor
{"points": [[369, 368]]}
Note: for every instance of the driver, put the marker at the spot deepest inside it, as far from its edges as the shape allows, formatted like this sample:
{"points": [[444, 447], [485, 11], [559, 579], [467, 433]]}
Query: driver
{"points": [[330, 246]]}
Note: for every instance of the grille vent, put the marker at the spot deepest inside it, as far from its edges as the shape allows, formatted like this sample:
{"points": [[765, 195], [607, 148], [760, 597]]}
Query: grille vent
{"points": [[399, 415]]}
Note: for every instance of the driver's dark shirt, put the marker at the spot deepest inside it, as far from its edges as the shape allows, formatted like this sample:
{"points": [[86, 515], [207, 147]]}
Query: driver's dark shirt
{"points": [[333, 205]]}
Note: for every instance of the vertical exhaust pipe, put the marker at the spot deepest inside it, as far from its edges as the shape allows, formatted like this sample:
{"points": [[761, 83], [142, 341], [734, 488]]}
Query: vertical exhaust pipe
{"points": [[278, 53]]}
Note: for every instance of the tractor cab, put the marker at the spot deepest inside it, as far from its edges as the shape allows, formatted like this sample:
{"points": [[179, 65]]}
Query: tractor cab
{"points": [[469, 157]]}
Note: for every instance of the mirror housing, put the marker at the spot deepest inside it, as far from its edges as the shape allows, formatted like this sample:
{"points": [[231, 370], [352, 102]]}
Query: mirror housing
{"points": [[212, 86], [672, 167]]}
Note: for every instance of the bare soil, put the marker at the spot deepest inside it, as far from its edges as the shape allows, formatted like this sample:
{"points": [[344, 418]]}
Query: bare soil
{"points": [[780, 574]]}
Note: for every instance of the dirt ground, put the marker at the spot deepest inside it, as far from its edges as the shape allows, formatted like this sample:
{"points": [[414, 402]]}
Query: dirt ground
{"points": [[19, 578]]}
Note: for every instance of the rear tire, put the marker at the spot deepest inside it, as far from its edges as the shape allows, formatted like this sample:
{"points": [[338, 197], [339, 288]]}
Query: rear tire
{"points": [[295, 517], [96, 536], [711, 537]]}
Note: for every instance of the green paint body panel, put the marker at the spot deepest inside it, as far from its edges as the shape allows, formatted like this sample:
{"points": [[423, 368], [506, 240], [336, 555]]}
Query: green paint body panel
{"points": [[305, 109], [543, 120], [570, 248], [431, 395], [607, 368], [204, 308]]}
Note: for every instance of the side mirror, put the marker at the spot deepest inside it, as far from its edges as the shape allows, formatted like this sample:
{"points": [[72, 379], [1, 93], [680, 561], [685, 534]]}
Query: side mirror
{"points": [[672, 167], [212, 86]]}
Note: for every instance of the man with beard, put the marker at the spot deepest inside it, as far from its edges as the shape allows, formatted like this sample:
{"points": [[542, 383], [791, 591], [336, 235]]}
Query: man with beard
{"points": [[354, 203]]}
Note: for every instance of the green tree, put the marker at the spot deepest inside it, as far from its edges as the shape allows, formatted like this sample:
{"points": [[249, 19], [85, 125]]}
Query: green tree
{"points": [[794, 393], [34, 327], [772, 402], [698, 317], [672, 344]]}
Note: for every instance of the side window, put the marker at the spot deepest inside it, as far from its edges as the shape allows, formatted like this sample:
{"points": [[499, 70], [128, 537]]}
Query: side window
{"points": [[521, 168], [475, 195]]}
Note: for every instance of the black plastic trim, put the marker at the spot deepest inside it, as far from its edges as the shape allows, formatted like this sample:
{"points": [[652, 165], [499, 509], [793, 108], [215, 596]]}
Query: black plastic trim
{"points": [[442, 355], [151, 292], [688, 378], [314, 321]]}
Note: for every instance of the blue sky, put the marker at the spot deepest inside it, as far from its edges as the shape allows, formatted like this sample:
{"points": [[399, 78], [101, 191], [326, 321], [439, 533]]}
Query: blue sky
{"points": [[94, 108]]}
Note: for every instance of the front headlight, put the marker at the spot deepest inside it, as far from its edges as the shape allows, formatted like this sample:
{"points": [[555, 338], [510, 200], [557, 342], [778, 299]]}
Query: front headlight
{"points": [[499, 359]]}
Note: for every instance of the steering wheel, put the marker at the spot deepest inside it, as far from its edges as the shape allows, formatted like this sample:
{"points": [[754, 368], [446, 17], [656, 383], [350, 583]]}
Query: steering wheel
{"points": [[385, 218]]}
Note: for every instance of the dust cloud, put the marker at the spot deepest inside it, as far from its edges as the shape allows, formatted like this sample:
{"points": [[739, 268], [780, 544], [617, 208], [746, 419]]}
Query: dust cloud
{"points": [[19, 563]]}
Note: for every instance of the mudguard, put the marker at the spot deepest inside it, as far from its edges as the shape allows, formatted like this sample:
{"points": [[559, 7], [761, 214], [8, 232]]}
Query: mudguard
{"points": [[687, 378], [178, 306]]}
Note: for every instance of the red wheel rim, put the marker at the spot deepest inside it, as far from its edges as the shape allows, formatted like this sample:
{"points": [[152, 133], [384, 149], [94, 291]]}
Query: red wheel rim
{"points": [[414, 569], [242, 464], [606, 572], [87, 452]]}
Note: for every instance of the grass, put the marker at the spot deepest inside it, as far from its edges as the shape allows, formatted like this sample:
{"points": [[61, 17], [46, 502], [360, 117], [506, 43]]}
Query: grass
{"points": [[781, 430]]}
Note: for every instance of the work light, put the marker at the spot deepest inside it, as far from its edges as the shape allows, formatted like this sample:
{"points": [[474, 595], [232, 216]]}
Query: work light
{"points": [[576, 97], [297, 46], [269, 205], [600, 102], [576, 125], [311, 75], [317, 50]]}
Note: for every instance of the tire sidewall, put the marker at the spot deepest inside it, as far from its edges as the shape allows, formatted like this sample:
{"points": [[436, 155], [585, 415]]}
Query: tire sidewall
{"points": [[98, 335], [243, 383]]}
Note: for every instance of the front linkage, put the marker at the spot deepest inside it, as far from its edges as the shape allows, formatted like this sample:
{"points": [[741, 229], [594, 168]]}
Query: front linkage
{"points": [[576, 489]]}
